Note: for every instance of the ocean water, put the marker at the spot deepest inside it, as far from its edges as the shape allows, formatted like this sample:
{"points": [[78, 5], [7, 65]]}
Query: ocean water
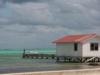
{"points": [[11, 61], [13, 56], [20, 51]]}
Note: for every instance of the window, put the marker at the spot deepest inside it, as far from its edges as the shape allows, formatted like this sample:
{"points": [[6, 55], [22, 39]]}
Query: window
{"points": [[94, 46], [75, 46]]}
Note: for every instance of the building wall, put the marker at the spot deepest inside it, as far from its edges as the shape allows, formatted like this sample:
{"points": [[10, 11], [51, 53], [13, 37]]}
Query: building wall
{"points": [[67, 49], [86, 52]]}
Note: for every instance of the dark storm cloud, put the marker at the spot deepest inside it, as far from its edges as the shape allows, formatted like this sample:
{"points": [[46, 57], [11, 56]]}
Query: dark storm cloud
{"points": [[22, 1], [34, 21], [76, 15], [26, 14]]}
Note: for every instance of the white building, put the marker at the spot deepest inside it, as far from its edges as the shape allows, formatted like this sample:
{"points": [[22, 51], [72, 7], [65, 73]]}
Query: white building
{"points": [[86, 45]]}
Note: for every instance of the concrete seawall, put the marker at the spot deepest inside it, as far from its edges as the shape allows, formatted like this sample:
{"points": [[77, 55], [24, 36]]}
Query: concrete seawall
{"points": [[62, 72]]}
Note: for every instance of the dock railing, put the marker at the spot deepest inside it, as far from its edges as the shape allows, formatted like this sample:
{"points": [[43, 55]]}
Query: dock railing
{"points": [[60, 58], [35, 55]]}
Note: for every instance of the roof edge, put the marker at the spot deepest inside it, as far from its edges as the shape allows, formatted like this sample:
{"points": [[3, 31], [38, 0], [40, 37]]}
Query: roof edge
{"points": [[85, 37]]}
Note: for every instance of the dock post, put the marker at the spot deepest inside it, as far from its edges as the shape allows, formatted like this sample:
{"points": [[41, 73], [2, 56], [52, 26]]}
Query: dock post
{"points": [[65, 59], [99, 59], [57, 59], [23, 54], [52, 57], [69, 59]]}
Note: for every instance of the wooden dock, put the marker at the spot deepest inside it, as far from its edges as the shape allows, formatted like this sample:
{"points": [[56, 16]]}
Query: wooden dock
{"points": [[38, 56], [61, 58]]}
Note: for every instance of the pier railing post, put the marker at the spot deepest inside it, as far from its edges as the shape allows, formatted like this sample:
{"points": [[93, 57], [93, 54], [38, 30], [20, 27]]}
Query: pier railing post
{"points": [[23, 54]]}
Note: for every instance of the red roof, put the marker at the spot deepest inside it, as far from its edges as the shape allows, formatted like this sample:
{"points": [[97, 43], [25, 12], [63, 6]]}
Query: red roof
{"points": [[75, 38]]}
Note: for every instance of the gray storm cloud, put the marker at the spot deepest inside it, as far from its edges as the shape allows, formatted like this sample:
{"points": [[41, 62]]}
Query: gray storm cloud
{"points": [[29, 23]]}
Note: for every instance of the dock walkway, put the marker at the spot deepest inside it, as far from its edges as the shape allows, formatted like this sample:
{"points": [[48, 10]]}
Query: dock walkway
{"points": [[38, 56], [61, 58]]}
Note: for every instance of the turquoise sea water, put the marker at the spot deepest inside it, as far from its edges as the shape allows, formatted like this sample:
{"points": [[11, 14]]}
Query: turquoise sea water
{"points": [[15, 56], [12, 61], [34, 51]]}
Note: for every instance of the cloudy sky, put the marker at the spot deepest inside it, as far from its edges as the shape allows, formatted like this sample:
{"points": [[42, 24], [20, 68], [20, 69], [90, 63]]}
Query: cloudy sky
{"points": [[36, 23]]}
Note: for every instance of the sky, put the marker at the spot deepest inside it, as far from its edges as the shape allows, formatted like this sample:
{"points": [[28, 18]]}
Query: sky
{"points": [[36, 23]]}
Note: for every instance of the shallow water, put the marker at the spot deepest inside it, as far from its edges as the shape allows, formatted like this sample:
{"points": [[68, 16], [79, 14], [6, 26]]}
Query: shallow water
{"points": [[12, 61]]}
